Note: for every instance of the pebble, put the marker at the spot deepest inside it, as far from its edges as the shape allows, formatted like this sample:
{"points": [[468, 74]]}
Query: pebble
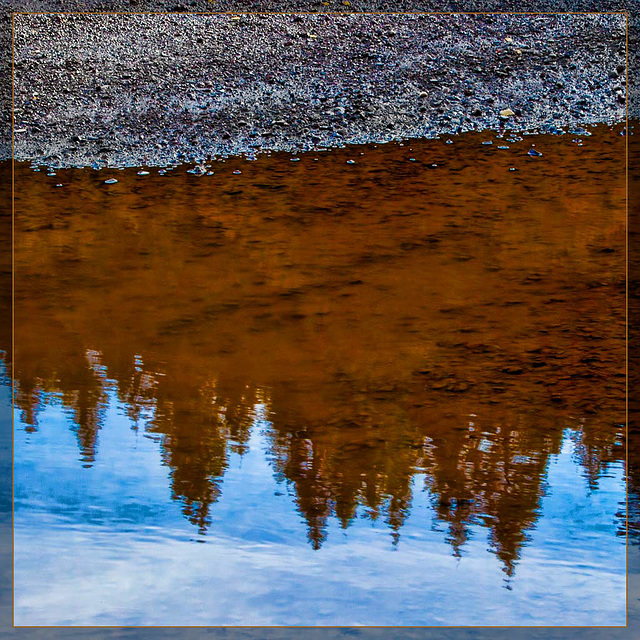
{"points": [[506, 113], [503, 147], [351, 161], [412, 159], [512, 169], [295, 159], [237, 172], [58, 185], [110, 181], [449, 142], [51, 174], [162, 172], [143, 173], [533, 152], [488, 142]]}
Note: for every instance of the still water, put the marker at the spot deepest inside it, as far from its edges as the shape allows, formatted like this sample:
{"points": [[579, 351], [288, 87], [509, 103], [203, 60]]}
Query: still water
{"points": [[383, 392]]}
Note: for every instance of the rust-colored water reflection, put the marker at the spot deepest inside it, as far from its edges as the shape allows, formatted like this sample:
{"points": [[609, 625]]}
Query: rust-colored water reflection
{"points": [[367, 324]]}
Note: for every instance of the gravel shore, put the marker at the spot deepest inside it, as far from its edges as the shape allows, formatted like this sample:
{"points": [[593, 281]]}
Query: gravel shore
{"points": [[129, 90]]}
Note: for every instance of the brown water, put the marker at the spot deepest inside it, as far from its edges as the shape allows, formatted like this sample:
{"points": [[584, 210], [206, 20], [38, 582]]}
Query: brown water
{"points": [[375, 334]]}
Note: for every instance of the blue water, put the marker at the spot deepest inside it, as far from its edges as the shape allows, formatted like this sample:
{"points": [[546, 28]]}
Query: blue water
{"points": [[106, 545]]}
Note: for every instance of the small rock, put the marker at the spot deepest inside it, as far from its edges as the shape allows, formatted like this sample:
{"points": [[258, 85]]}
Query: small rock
{"points": [[351, 161], [487, 142], [110, 181], [143, 173], [533, 152], [506, 113]]}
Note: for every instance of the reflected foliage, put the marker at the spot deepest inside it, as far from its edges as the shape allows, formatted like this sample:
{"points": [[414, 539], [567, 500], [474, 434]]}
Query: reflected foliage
{"points": [[391, 328]]}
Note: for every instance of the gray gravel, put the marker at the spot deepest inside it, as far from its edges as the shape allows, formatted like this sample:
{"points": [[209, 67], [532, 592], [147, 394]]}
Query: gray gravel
{"points": [[317, 6], [124, 90]]}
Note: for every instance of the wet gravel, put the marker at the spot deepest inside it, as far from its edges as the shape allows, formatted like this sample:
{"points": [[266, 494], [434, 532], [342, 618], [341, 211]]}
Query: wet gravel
{"points": [[129, 90]]}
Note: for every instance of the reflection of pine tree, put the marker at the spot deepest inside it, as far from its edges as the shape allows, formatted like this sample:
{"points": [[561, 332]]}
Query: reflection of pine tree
{"points": [[493, 475], [236, 400], [596, 446], [632, 519], [84, 396], [28, 397], [339, 465], [194, 447]]}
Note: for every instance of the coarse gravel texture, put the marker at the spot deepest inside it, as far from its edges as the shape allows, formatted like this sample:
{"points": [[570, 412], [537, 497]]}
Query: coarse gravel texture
{"points": [[123, 90], [313, 6]]}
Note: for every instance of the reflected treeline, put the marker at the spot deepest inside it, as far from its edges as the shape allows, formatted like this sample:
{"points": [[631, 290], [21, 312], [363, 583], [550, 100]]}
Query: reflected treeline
{"points": [[487, 469], [440, 336]]}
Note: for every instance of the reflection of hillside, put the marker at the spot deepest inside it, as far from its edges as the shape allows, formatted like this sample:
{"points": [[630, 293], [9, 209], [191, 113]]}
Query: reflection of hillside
{"points": [[451, 330]]}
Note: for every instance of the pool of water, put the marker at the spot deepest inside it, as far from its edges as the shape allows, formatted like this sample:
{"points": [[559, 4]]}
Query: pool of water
{"points": [[372, 386]]}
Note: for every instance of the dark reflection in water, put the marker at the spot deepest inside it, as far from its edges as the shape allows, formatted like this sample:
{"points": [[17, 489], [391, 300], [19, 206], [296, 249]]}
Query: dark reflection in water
{"points": [[377, 320]]}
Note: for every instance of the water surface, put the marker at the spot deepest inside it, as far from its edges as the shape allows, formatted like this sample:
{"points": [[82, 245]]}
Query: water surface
{"points": [[386, 392]]}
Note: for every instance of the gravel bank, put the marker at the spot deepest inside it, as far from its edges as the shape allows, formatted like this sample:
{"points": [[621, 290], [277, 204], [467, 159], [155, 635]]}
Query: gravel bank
{"points": [[158, 89]]}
